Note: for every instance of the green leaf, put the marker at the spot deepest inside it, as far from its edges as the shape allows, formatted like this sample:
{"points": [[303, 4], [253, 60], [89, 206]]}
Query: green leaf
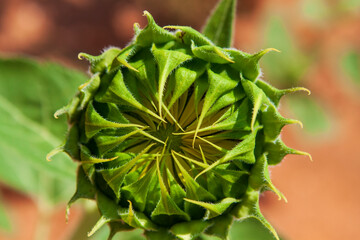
{"points": [[189, 230], [5, 223], [316, 118], [220, 226], [30, 93], [156, 235], [108, 210], [220, 26], [250, 229], [288, 68], [249, 208], [351, 66], [84, 189]]}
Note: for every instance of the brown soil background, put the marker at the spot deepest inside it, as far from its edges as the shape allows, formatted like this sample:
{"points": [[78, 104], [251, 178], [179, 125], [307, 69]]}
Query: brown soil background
{"points": [[323, 195]]}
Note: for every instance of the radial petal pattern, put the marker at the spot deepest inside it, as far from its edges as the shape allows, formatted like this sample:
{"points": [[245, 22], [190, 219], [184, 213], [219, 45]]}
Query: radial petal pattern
{"points": [[174, 134]]}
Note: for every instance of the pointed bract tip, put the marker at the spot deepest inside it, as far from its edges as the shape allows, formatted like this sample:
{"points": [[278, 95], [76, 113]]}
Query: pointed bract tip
{"points": [[67, 213], [148, 16], [303, 153], [296, 89], [171, 27], [293, 121], [60, 112], [81, 56], [308, 155], [54, 152], [260, 54], [281, 196], [136, 26]]}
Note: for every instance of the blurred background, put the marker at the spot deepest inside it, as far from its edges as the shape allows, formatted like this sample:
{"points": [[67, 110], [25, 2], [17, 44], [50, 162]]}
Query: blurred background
{"points": [[319, 42]]}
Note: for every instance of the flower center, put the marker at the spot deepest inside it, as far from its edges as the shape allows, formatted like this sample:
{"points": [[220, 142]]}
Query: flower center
{"points": [[165, 133]]}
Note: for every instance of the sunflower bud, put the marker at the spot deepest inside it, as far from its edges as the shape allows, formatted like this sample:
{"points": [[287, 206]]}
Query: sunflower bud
{"points": [[174, 134]]}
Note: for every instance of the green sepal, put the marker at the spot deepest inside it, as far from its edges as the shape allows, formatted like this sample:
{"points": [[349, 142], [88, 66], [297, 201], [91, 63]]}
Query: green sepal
{"points": [[102, 62], [231, 176], [249, 208], [71, 110], [234, 120], [70, 146], [214, 209], [211, 53], [115, 176], [233, 182], [227, 99], [272, 121], [187, 34], [162, 234], [117, 92], [220, 226], [89, 89], [87, 158], [167, 61], [260, 177], [244, 151], [152, 33], [275, 94], [201, 85], [247, 64], [117, 226], [220, 82], [277, 150], [136, 219], [84, 189], [106, 143], [137, 192], [167, 208], [146, 67], [120, 60], [94, 122], [194, 190], [184, 77], [220, 26], [189, 230], [108, 210]]}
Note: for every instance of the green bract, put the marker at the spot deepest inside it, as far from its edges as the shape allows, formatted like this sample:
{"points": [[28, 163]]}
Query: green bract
{"points": [[174, 134]]}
